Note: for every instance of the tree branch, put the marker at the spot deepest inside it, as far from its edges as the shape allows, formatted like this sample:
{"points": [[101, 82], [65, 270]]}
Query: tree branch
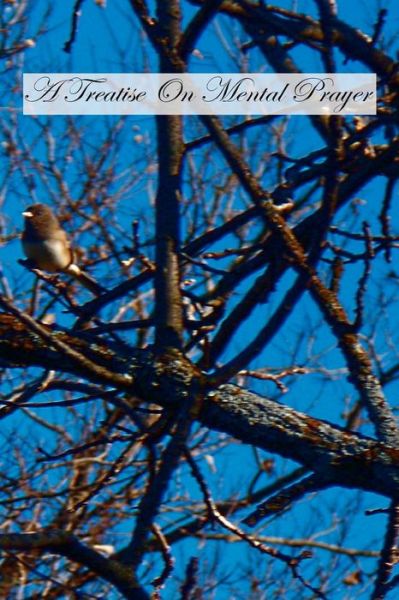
{"points": [[66, 544], [357, 360], [197, 26], [168, 300], [347, 459]]}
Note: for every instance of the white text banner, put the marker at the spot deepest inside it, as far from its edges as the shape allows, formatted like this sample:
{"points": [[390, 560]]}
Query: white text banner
{"points": [[199, 94]]}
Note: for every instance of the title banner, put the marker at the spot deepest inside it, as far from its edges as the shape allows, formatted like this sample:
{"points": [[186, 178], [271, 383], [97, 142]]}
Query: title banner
{"points": [[199, 94]]}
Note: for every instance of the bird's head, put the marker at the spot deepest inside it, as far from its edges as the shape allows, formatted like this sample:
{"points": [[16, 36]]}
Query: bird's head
{"points": [[40, 217]]}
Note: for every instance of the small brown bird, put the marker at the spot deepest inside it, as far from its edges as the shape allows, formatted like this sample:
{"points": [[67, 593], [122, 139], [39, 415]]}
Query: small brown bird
{"points": [[47, 247]]}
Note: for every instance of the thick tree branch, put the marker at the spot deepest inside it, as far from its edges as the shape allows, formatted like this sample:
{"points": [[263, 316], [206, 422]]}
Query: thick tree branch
{"points": [[151, 500], [168, 300], [66, 544], [197, 26], [147, 22], [357, 359], [389, 554], [78, 360], [345, 458], [351, 41]]}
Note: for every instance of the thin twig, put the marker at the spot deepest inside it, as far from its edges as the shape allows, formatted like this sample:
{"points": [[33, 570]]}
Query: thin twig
{"points": [[74, 26]]}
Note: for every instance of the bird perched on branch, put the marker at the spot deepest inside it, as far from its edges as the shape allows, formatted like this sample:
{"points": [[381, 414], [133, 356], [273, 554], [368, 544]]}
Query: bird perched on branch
{"points": [[47, 247]]}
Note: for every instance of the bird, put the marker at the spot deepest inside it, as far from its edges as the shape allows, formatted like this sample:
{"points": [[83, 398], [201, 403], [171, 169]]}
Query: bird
{"points": [[47, 247]]}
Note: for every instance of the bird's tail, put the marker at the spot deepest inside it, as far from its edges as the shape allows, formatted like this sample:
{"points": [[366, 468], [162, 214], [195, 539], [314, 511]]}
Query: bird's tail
{"points": [[86, 280]]}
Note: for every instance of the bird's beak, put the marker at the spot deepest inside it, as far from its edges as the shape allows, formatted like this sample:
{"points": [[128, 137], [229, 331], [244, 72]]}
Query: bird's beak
{"points": [[27, 214]]}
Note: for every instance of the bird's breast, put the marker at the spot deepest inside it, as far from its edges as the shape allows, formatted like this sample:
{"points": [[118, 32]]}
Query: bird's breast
{"points": [[49, 255]]}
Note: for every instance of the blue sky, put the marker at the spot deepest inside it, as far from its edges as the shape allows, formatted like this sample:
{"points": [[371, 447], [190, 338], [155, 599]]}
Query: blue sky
{"points": [[109, 40]]}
